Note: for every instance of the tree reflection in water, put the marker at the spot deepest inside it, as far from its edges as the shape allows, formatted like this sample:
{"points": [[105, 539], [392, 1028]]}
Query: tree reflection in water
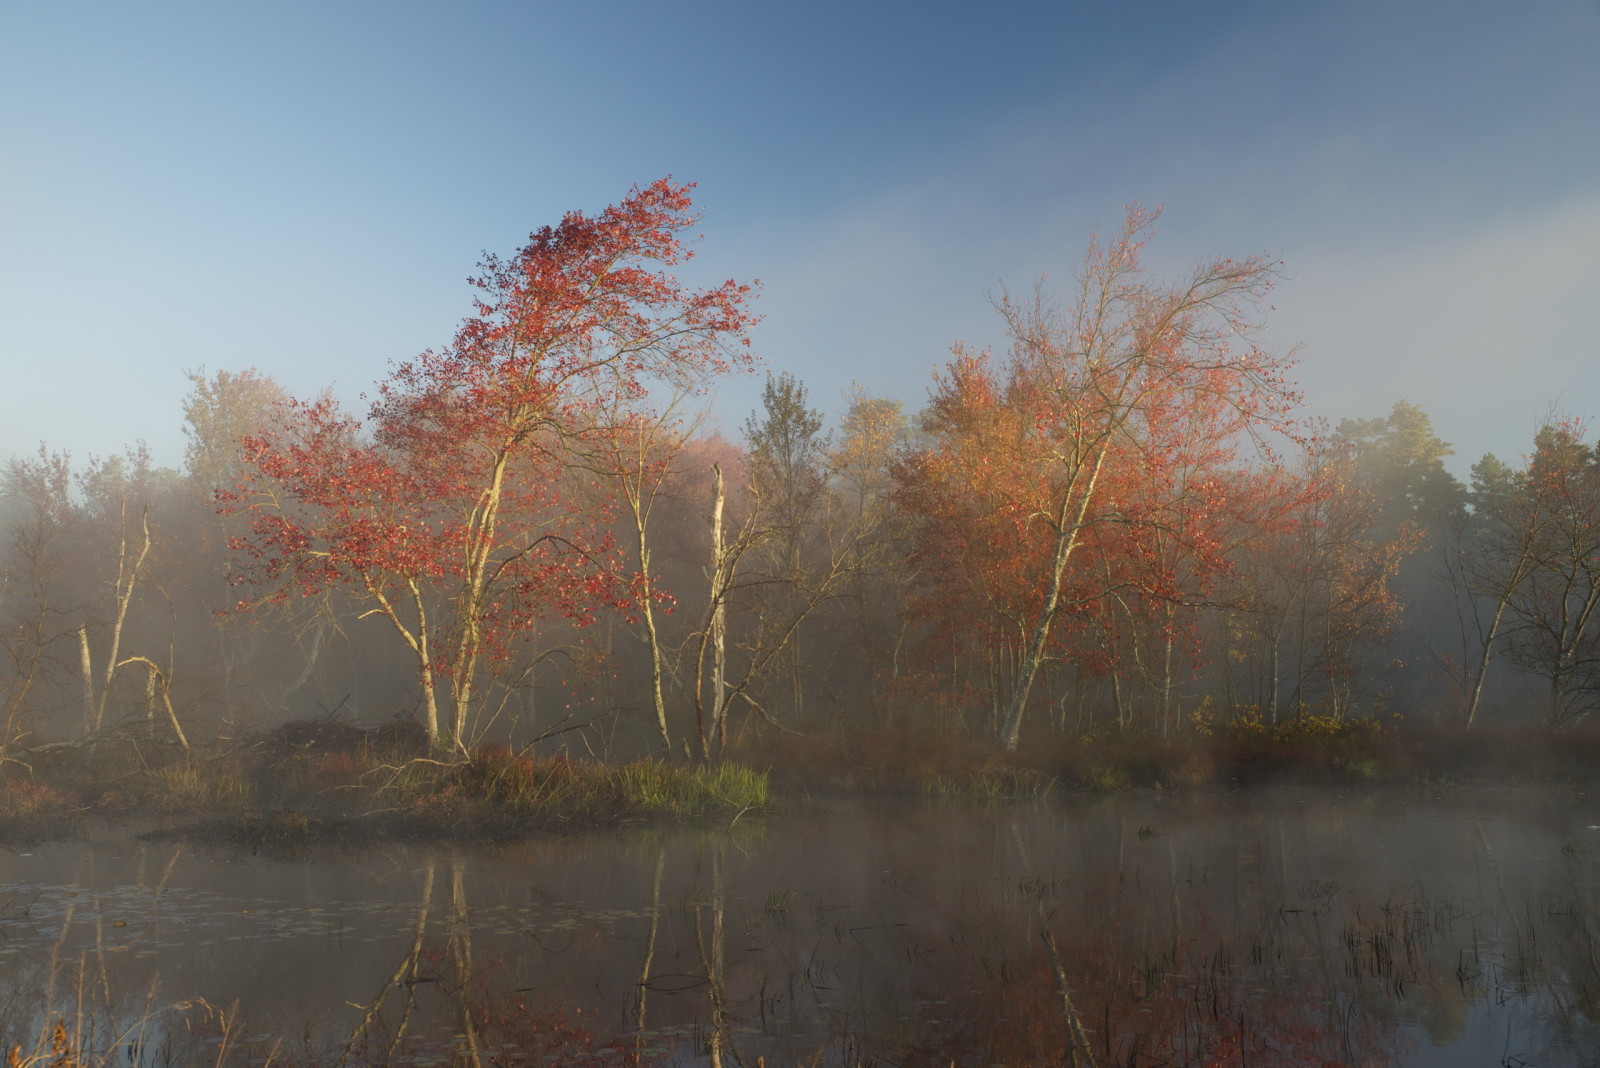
{"points": [[1335, 936]]}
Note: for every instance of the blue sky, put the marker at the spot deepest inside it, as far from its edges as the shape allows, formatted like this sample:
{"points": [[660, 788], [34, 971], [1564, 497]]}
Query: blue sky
{"points": [[304, 187]]}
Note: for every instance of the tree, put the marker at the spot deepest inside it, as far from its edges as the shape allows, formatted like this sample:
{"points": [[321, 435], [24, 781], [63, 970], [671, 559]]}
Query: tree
{"points": [[1554, 537], [450, 514], [1485, 554], [1312, 606], [80, 550], [871, 433], [791, 541], [117, 498], [787, 451], [635, 461], [37, 517], [1401, 460], [1077, 436], [220, 412]]}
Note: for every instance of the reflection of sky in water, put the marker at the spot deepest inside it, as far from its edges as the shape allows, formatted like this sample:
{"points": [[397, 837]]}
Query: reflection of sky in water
{"points": [[1453, 932]]}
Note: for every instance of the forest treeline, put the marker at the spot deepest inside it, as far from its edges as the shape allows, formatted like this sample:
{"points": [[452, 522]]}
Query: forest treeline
{"points": [[1120, 522]]}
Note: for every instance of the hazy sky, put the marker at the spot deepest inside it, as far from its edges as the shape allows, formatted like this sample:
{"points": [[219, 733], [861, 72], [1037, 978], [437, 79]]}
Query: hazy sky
{"points": [[304, 187]]}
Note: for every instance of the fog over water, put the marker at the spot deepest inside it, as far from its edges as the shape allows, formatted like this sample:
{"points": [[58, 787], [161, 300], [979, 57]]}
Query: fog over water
{"points": [[1299, 927], [304, 532]]}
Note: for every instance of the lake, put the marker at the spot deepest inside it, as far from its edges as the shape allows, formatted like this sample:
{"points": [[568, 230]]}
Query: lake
{"points": [[1262, 928]]}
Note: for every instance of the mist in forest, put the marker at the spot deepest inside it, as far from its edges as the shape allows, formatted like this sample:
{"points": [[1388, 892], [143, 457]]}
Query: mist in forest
{"points": [[1144, 538]]}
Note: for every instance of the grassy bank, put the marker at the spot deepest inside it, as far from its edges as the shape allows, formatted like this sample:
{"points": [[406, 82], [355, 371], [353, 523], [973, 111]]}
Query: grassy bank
{"points": [[291, 788], [269, 794]]}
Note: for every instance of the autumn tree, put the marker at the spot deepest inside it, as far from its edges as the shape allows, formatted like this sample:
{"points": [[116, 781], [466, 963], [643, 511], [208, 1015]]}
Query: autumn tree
{"points": [[1311, 610], [1072, 438], [450, 514]]}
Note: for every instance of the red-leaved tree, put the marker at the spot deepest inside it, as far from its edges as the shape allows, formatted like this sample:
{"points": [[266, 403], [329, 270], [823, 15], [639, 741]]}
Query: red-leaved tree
{"points": [[1049, 476], [451, 513]]}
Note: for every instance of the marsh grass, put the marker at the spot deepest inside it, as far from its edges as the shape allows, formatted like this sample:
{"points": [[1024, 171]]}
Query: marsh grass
{"points": [[994, 785], [367, 789], [71, 1014], [495, 795], [573, 789], [33, 811], [280, 798], [189, 786]]}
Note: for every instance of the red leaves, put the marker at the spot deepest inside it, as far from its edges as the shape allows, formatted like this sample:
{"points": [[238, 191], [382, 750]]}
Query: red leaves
{"points": [[456, 510], [1085, 470]]}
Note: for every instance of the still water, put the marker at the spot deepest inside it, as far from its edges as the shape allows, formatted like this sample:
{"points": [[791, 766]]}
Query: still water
{"points": [[1285, 928]]}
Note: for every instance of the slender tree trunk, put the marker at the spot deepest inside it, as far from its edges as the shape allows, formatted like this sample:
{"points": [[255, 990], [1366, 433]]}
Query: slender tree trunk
{"points": [[1273, 671], [1485, 656], [719, 652], [90, 723], [1011, 729], [702, 725], [653, 639], [473, 597], [1166, 682], [127, 582], [1069, 524], [430, 707], [18, 698], [651, 635], [796, 685], [462, 697], [419, 643]]}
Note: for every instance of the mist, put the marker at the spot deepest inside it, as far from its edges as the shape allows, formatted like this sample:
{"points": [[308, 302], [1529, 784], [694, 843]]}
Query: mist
{"points": [[1032, 535]]}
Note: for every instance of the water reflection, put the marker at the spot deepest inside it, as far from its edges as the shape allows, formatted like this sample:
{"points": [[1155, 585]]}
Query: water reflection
{"points": [[1219, 931]]}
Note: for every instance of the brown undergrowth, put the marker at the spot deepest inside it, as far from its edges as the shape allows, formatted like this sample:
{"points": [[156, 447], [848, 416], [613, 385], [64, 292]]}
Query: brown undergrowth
{"points": [[275, 794], [1308, 748], [294, 786]]}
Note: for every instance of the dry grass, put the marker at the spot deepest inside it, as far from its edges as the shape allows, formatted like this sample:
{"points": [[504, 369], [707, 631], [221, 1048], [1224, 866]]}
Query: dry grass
{"points": [[268, 795]]}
